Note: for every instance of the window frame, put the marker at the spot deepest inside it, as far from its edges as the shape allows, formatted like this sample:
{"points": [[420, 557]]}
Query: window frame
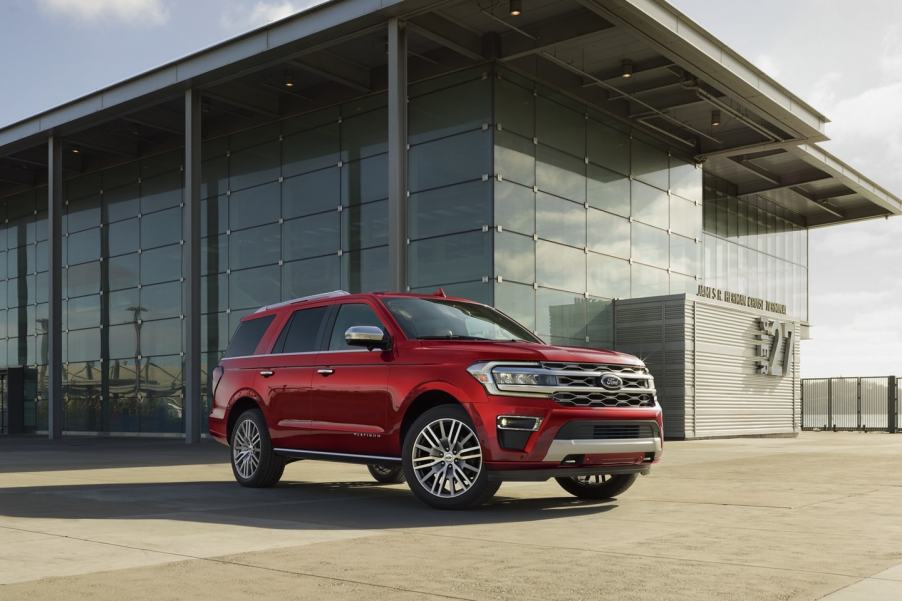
{"points": [[332, 319], [279, 346], [269, 321]]}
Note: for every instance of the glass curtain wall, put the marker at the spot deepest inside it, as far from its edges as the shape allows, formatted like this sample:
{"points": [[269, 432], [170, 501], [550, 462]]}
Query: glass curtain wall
{"points": [[449, 178], [293, 208], [23, 296], [585, 213], [754, 247]]}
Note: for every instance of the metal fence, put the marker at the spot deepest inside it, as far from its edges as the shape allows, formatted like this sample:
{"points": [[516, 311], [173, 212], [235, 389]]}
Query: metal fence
{"points": [[851, 404]]}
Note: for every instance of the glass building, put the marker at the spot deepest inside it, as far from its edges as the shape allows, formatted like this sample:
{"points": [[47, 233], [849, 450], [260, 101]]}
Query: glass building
{"points": [[517, 188]]}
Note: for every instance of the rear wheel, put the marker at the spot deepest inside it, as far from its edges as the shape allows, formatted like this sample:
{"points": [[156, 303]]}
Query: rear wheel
{"points": [[597, 486], [386, 474], [254, 463], [443, 462]]}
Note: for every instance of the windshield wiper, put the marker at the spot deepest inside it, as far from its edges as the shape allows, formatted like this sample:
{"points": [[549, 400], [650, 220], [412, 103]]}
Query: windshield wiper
{"points": [[453, 337]]}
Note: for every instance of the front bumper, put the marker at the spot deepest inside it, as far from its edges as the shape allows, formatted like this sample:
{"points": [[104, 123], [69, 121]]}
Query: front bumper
{"points": [[570, 441], [561, 449]]}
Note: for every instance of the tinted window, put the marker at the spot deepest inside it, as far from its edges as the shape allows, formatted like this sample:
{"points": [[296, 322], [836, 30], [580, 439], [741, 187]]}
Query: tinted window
{"points": [[301, 335], [247, 337], [454, 320], [351, 315]]}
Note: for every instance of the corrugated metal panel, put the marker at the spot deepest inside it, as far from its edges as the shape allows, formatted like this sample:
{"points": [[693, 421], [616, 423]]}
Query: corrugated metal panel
{"points": [[731, 398], [655, 331]]}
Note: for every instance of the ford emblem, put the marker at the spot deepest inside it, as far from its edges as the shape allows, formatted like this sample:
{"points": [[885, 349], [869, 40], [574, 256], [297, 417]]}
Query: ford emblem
{"points": [[611, 382]]}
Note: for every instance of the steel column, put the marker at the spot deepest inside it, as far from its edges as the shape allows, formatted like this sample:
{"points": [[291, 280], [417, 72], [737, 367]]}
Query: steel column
{"points": [[55, 310], [192, 403], [892, 404], [397, 153], [830, 423]]}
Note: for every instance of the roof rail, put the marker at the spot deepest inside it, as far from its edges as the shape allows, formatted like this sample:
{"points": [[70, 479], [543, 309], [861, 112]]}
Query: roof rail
{"points": [[302, 299]]}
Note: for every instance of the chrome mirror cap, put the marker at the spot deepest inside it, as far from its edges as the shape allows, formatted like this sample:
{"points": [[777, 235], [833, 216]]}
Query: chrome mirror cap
{"points": [[368, 336]]}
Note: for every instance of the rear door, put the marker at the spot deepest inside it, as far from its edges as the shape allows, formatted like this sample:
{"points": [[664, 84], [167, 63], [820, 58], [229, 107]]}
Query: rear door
{"points": [[286, 380], [350, 387]]}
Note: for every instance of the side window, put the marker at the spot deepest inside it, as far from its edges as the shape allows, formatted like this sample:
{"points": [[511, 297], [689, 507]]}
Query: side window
{"points": [[302, 331], [352, 314], [248, 336]]}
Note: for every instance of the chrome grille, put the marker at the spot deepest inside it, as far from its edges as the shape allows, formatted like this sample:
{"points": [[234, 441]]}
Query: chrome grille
{"points": [[620, 370], [604, 399], [629, 394]]}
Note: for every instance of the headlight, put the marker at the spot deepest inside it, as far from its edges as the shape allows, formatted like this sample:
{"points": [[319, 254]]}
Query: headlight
{"points": [[506, 376], [511, 375]]}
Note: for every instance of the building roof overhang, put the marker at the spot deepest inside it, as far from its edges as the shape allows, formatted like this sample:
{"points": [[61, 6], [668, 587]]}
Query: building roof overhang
{"points": [[682, 80]]}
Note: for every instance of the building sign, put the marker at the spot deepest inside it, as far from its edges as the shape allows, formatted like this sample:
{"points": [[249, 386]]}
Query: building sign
{"points": [[741, 299], [774, 351]]}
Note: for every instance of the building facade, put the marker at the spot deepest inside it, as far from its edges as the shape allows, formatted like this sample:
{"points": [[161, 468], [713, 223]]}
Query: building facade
{"points": [[515, 192]]}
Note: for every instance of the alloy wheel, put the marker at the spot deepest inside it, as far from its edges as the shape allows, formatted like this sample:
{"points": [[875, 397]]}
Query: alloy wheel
{"points": [[447, 457], [246, 448]]}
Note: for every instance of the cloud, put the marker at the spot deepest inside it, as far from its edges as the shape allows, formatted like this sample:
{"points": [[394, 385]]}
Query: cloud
{"points": [[136, 12], [890, 60], [243, 18]]}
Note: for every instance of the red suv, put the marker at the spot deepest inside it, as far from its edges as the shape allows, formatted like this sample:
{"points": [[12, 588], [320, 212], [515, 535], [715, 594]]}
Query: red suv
{"points": [[449, 394]]}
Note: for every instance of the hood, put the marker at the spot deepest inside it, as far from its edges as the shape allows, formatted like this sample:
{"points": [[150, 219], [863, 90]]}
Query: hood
{"points": [[528, 351]]}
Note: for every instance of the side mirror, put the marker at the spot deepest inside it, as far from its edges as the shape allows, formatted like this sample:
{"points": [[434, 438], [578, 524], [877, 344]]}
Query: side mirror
{"points": [[368, 336]]}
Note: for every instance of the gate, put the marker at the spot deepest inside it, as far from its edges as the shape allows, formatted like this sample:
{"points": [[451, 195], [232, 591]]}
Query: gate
{"points": [[868, 403]]}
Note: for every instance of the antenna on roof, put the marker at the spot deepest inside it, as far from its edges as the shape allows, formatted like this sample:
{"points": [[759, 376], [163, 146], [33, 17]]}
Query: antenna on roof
{"points": [[440, 292]]}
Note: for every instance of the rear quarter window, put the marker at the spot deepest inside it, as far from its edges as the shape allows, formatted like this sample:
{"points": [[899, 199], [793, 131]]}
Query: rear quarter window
{"points": [[248, 336]]}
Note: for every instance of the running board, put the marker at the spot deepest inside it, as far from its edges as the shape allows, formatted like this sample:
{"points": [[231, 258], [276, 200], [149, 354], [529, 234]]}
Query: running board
{"points": [[342, 457]]}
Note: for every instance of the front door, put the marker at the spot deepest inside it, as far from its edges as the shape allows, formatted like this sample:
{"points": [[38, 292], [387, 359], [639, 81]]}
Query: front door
{"points": [[350, 386]]}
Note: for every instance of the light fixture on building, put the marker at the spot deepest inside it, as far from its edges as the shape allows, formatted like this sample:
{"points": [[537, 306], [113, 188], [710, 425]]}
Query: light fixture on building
{"points": [[516, 7], [75, 150], [715, 118], [289, 81], [627, 69]]}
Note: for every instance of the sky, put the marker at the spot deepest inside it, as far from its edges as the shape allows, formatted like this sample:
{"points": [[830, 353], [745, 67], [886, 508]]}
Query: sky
{"points": [[844, 58]]}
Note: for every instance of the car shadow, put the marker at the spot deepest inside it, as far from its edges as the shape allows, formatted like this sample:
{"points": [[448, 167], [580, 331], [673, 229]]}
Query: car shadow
{"points": [[292, 504]]}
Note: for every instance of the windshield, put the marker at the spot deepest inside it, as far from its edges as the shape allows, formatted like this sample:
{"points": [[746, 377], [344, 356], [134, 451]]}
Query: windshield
{"points": [[442, 319]]}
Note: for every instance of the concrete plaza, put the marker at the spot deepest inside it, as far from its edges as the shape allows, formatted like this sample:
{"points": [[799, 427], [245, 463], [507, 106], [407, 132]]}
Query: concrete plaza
{"points": [[819, 516]]}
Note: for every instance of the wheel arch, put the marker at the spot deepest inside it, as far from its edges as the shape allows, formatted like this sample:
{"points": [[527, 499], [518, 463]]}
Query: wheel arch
{"points": [[423, 402], [236, 408]]}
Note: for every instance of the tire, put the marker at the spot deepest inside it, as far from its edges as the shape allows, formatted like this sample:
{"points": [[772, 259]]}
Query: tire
{"points": [[599, 486], [386, 474], [254, 464], [429, 474]]}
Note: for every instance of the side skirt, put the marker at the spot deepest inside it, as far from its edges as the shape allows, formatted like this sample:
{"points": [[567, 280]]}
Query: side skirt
{"points": [[341, 457]]}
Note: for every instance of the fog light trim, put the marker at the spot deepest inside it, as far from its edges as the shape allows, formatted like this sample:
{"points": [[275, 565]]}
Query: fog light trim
{"points": [[521, 423]]}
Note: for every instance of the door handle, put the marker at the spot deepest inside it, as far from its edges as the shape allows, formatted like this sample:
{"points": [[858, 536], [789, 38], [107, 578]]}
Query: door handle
{"points": [[266, 373], [325, 372]]}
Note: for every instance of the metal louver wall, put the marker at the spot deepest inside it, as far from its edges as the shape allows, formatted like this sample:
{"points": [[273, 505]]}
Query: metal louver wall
{"points": [[654, 329], [703, 357]]}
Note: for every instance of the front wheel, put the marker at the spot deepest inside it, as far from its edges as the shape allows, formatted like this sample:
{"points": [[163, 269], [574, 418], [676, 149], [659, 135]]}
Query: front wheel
{"points": [[254, 463], [386, 474], [597, 486], [443, 462]]}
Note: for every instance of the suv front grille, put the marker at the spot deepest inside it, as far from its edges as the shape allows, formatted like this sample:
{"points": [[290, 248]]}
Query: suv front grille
{"points": [[637, 389], [587, 430], [604, 399]]}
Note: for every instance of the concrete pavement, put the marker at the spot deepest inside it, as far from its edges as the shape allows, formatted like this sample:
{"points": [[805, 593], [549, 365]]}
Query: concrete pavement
{"points": [[815, 517]]}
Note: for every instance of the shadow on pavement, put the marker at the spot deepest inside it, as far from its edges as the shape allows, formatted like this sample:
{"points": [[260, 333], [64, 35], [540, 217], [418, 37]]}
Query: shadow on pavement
{"points": [[32, 453], [292, 504]]}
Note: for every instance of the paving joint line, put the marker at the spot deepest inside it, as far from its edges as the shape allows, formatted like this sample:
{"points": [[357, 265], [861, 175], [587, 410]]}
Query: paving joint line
{"points": [[241, 564]]}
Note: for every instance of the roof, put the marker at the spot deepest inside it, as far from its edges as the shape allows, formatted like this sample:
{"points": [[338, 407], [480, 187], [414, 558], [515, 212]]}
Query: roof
{"points": [[765, 140]]}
